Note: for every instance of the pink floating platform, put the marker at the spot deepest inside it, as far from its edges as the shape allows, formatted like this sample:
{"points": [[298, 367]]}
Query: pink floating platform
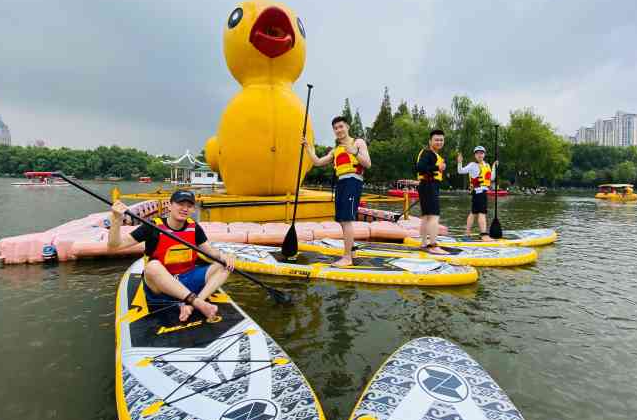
{"points": [[87, 237]]}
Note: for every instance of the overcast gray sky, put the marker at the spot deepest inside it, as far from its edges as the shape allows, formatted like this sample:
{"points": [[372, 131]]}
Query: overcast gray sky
{"points": [[151, 73]]}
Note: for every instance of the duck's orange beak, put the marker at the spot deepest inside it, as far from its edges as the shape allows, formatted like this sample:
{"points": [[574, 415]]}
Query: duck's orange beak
{"points": [[272, 34]]}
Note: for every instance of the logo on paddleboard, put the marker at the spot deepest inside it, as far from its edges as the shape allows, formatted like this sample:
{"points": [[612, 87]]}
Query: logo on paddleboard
{"points": [[251, 410], [442, 383]]}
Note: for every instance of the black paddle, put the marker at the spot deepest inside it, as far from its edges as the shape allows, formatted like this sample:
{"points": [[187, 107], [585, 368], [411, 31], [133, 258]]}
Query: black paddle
{"points": [[277, 295], [406, 212], [290, 247], [495, 231]]}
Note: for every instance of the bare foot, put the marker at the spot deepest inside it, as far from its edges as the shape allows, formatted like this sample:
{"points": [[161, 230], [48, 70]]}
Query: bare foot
{"points": [[184, 312], [487, 238], [207, 309], [343, 262], [437, 250]]}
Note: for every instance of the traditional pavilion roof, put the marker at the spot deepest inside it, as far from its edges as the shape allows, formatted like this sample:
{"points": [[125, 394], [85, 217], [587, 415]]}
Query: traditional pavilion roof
{"points": [[187, 161]]}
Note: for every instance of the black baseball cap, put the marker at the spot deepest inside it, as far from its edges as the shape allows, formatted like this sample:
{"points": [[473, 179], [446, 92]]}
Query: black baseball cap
{"points": [[182, 195]]}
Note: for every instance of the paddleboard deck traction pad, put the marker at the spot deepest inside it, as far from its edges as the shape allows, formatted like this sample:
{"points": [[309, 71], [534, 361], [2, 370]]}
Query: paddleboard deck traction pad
{"points": [[223, 369], [432, 379], [496, 256]]}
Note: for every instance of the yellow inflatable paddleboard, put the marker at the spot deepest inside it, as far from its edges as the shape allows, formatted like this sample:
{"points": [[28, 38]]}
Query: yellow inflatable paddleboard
{"points": [[462, 255], [529, 237], [374, 269], [208, 369]]}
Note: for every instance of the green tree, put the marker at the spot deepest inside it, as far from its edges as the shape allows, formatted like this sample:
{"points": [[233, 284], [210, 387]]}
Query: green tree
{"points": [[532, 152], [590, 176], [356, 130], [402, 111], [347, 112], [625, 172], [415, 112], [383, 127]]}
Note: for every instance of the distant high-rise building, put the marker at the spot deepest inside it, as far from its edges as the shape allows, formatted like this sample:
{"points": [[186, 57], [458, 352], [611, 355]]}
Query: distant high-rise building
{"points": [[608, 128], [620, 130], [580, 135], [599, 132], [625, 126], [5, 134], [590, 135]]}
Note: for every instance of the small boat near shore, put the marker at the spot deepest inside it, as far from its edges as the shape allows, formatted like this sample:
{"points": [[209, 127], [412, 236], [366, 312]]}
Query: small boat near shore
{"points": [[40, 179], [499, 193], [616, 192], [404, 186], [145, 179]]}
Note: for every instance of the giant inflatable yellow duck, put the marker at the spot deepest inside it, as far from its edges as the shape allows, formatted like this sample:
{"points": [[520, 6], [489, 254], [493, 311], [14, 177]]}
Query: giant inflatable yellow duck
{"points": [[257, 148]]}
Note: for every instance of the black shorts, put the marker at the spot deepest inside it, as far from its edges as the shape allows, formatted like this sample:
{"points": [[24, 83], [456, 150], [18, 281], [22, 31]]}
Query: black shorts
{"points": [[429, 194], [478, 202], [347, 199]]}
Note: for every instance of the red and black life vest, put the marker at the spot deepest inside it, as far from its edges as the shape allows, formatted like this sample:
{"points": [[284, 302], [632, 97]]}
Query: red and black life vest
{"points": [[177, 258]]}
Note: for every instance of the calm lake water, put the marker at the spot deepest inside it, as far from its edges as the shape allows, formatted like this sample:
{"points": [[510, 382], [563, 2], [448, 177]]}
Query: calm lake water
{"points": [[559, 336]]}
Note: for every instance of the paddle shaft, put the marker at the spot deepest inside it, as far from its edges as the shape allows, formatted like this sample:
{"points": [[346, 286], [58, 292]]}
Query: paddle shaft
{"points": [[496, 172], [164, 232], [298, 175], [404, 214]]}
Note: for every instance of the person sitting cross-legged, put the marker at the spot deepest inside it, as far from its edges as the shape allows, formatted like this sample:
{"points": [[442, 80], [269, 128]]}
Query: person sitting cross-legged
{"points": [[171, 272]]}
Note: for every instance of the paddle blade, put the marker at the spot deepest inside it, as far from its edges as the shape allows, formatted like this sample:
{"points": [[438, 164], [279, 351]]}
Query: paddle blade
{"points": [[290, 245], [495, 231], [280, 297]]}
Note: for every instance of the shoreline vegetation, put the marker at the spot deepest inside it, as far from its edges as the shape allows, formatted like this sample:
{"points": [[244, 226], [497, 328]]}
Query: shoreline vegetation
{"points": [[102, 162], [532, 154]]}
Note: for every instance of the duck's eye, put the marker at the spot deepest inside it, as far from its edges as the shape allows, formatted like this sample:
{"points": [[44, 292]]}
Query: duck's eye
{"points": [[301, 27], [235, 17]]}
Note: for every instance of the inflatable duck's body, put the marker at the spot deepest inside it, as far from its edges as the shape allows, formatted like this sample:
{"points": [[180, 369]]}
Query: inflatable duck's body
{"points": [[258, 147]]}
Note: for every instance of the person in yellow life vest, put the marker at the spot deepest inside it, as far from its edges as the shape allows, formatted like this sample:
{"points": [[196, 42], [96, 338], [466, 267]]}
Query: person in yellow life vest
{"points": [[480, 176], [350, 158], [430, 167], [171, 273]]}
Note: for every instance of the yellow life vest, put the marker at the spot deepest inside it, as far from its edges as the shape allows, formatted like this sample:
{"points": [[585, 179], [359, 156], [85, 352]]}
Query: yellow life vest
{"points": [[437, 176], [346, 163], [484, 178]]}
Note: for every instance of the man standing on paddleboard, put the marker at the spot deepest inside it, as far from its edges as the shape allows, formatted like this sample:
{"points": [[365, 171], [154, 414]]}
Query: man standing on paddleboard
{"points": [[430, 167], [350, 158], [171, 272], [480, 176]]}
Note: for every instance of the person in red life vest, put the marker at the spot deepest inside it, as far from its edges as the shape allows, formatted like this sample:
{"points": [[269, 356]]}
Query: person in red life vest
{"points": [[480, 176], [171, 272], [430, 167], [350, 159]]}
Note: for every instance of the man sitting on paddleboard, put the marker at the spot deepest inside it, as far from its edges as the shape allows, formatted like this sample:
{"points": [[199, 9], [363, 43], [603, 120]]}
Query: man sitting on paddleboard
{"points": [[350, 158], [170, 272], [430, 167], [480, 176]]}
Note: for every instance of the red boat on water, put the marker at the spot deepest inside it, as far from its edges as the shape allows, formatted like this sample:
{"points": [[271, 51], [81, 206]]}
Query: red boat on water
{"points": [[500, 193], [41, 179], [145, 179], [409, 186]]}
